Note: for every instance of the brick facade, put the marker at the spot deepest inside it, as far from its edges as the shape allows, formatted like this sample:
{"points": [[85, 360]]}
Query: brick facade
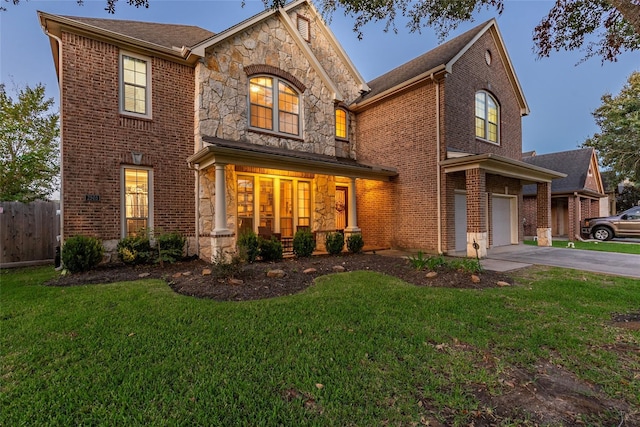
{"points": [[98, 141]]}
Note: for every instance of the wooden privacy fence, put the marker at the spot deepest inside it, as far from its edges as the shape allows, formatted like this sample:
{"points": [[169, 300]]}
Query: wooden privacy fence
{"points": [[28, 232]]}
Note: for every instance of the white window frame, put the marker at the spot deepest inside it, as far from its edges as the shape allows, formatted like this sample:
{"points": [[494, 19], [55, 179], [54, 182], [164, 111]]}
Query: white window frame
{"points": [[121, 85], [275, 119], [487, 96], [123, 198]]}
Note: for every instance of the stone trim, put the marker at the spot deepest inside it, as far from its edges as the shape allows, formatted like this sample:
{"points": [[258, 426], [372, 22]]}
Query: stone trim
{"points": [[252, 70]]}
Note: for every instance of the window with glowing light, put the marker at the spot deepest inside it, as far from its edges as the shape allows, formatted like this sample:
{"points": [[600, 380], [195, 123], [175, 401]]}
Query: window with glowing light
{"points": [[274, 105], [487, 117], [341, 124], [137, 203]]}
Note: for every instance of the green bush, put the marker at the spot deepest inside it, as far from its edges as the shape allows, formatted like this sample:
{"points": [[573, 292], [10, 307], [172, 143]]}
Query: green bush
{"points": [[248, 246], [334, 243], [420, 262], [226, 266], [81, 253], [468, 265], [135, 250], [270, 250], [303, 243], [355, 243], [170, 247]]}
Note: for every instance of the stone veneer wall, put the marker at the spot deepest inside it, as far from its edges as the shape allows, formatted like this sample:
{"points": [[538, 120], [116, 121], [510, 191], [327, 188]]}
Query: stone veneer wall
{"points": [[222, 86]]}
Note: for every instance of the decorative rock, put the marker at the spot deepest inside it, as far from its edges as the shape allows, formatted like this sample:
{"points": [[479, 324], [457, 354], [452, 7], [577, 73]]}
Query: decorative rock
{"points": [[503, 284], [176, 275], [186, 273], [432, 274], [338, 268], [206, 272], [475, 278], [310, 270], [141, 275], [236, 282], [276, 274]]}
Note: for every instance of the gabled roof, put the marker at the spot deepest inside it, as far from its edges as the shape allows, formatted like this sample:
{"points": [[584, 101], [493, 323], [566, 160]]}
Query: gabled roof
{"points": [[574, 163], [282, 14], [170, 41], [166, 35], [438, 61]]}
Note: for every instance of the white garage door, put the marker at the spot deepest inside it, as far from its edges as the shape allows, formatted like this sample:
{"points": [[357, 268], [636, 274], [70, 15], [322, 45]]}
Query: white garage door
{"points": [[501, 221], [461, 222]]}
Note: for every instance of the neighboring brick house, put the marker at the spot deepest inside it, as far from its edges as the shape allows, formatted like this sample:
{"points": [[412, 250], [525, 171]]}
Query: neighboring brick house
{"points": [[268, 126], [577, 196]]}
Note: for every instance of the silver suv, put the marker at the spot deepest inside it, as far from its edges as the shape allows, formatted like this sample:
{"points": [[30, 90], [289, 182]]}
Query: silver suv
{"points": [[625, 224]]}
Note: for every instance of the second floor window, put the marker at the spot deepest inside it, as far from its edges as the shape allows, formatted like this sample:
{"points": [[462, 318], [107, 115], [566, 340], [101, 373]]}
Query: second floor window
{"points": [[274, 105], [487, 117], [341, 124], [135, 85]]}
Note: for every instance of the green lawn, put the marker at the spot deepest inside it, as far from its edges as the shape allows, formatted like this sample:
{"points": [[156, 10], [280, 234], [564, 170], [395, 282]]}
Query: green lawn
{"points": [[625, 248], [357, 349]]}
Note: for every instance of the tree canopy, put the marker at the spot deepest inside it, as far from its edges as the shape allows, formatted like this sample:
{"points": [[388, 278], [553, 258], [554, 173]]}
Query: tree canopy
{"points": [[602, 28], [28, 145], [618, 142]]}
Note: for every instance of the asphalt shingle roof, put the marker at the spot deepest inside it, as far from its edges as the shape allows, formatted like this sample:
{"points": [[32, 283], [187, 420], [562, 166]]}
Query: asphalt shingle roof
{"points": [[575, 163], [441, 55], [166, 35]]}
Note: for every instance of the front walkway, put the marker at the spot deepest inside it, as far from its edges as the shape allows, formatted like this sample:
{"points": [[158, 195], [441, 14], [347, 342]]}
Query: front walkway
{"points": [[593, 261]]}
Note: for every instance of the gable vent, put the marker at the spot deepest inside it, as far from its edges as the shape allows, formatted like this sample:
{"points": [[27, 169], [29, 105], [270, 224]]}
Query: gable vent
{"points": [[304, 28]]}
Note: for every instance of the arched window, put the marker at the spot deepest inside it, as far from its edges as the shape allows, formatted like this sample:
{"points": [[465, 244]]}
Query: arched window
{"points": [[487, 117], [341, 124], [274, 105]]}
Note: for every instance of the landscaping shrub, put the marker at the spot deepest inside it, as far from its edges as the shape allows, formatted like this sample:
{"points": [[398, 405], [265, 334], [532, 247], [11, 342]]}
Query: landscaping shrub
{"points": [[334, 243], [270, 250], [226, 266], [355, 243], [81, 253], [135, 250], [170, 247], [468, 265], [303, 243], [420, 262], [248, 246]]}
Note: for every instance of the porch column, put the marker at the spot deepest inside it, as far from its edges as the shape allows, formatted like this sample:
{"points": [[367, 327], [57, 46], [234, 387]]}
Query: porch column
{"points": [[352, 220], [221, 236], [476, 183], [544, 214]]}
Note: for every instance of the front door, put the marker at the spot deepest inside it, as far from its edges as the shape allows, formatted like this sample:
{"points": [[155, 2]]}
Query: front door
{"points": [[341, 207]]}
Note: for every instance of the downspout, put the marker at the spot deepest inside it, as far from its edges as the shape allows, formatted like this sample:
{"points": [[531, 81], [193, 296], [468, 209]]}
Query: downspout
{"points": [[438, 178], [59, 41], [196, 168]]}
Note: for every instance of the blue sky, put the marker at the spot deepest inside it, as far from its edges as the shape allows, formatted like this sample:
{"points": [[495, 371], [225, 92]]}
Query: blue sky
{"points": [[561, 94]]}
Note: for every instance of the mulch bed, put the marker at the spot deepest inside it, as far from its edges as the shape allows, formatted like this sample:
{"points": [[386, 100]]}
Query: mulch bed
{"points": [[251, 283]]}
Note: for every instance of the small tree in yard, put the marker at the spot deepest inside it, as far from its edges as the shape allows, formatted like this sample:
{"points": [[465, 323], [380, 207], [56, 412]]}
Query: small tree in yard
{"points": [[28, 145]]}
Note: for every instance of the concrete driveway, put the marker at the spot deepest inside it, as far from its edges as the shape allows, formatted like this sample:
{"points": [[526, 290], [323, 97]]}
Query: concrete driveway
{"points": [[504, 258]]}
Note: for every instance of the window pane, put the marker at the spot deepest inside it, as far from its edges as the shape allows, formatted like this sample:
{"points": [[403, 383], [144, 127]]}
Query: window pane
{"points": [[288, 123], [136, 189], [261, 100], [245, 204], [341, 124], [480, 105], [286, 208], [493, 133], [266, 203], [480, 127], [304, 203]]}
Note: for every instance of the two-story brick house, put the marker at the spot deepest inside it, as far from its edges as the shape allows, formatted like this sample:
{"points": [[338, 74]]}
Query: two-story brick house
{"points": [[268, 126]]}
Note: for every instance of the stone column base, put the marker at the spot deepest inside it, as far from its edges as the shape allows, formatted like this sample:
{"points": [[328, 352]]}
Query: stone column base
{"points": [[481, 239], [222, 247], [544, 236]]}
